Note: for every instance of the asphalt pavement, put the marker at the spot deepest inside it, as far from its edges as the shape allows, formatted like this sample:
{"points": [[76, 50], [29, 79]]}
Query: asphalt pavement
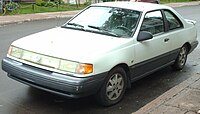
{"points": [[15, 19], [181, 99]]}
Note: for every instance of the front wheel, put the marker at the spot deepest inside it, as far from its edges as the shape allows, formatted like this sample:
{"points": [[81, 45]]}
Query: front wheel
{"points": [[113, 88], [181, 59]]}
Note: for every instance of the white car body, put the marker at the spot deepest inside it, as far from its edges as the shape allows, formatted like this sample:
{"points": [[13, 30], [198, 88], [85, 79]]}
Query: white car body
{"points": [[106, 52]]}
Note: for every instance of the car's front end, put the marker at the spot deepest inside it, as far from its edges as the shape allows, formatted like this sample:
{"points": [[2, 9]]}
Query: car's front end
{"points": [[65, 65], [63, 84]]}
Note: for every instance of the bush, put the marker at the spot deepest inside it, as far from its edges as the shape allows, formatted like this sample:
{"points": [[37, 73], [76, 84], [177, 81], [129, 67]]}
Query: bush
{"points": [[46, 3], [39, 2], [50, 4], [42, 4], [87, 3], [59, 2]]}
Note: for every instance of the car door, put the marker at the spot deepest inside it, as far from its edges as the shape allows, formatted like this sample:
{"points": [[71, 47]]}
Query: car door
{"points": [[152, 54], [176, 33]]}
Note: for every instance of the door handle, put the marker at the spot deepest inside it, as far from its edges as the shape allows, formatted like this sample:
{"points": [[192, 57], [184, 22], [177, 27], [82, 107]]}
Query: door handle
{"points": [[166, 39]]}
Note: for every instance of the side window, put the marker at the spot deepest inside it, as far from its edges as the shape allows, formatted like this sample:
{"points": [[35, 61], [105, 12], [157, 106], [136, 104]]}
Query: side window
{"points": [[173, 21], [153, 22]]}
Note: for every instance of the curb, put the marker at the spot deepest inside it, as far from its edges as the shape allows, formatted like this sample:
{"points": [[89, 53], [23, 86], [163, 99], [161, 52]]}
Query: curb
{"points": [[167, 95], [17, 19]]}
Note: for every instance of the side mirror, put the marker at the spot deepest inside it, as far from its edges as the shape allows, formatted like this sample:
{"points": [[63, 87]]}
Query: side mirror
{"points": [[144, 35]]}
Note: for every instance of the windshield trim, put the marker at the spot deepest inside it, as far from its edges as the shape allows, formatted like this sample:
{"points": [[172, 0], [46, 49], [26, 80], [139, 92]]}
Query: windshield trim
{"points": [[93, 31]]}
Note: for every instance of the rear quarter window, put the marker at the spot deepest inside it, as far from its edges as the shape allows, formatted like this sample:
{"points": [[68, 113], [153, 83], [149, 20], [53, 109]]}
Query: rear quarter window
{"points": [[173, 22]]}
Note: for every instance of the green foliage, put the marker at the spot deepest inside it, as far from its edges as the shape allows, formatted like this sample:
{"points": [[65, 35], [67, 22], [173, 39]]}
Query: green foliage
{"points": [[42, 4], [59, 2], [46, 3], [29, 9], [87, 3], [50, 4], [39, 2]]}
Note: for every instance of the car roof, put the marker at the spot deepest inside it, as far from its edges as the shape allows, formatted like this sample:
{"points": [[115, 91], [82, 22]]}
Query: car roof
{"points": [[138, 6]]}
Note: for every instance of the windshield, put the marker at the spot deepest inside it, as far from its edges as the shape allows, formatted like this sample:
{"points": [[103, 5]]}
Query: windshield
{"points": [[106, 20]]}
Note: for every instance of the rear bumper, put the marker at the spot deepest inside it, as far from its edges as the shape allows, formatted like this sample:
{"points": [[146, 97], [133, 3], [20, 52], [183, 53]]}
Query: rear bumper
{"points": [[53, 82]]}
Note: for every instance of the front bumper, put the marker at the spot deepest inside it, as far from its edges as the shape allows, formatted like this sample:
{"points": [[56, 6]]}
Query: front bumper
{"points": [[53, 82]]}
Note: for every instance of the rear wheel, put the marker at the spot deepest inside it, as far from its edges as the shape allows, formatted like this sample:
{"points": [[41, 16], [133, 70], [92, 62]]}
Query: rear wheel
{"points": [[181, 59], [113, 88]]}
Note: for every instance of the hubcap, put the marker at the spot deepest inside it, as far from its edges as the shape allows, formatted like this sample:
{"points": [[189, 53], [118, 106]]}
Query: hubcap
{"points": [[182, 56], [115, 86]]}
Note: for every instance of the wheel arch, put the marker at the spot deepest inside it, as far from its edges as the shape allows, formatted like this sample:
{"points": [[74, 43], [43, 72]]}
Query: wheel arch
{"points": [[188, 46], [127, 70]]}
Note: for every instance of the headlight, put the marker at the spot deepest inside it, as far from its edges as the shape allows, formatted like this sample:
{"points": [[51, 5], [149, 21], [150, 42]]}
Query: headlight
{"points": [[15, 52], [76, 67], [51, 62], [68, 66]]}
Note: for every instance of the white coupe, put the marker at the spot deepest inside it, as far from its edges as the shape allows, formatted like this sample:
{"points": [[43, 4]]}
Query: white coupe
{"points": [[102, 49]]}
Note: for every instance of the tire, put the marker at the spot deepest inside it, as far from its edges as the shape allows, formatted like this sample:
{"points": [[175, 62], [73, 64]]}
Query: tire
{"points": [[181, 59], [12, 8], [113, 88], [157, 2], [3, 11]]}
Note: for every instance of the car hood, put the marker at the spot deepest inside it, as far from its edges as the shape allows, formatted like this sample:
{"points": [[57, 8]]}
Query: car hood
{"points": [[69, 44]]}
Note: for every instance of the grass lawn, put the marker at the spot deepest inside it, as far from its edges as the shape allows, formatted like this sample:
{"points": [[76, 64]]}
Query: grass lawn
{"points": [[32, 8]]}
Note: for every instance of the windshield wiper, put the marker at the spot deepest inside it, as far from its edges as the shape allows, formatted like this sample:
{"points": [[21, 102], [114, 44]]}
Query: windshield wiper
{"points": [[103, 31], [75, 24], [94, 27]]}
